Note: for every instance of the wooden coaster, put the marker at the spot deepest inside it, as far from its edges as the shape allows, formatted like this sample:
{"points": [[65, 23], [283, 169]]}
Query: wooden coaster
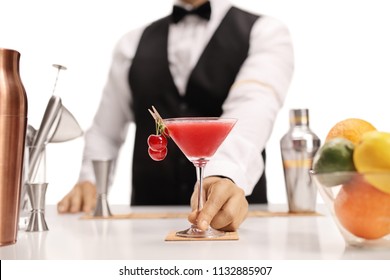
{"points": [[258, 213], [173, 215], [233, 235], [158, 215]]}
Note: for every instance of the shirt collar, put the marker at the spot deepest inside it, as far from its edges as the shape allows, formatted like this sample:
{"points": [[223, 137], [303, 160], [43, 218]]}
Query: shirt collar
{"points": [[218, 7]]}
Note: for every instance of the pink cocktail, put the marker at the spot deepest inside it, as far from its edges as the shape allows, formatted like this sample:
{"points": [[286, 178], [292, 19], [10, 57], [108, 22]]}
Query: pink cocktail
{"points": [[199, 138]]}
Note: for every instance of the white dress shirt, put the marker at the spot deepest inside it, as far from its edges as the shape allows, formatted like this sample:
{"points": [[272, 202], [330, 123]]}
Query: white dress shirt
{"points": [[255, 98]]}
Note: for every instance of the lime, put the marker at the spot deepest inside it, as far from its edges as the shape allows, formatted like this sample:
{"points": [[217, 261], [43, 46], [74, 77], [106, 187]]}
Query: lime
{"points": [[334, 160]]}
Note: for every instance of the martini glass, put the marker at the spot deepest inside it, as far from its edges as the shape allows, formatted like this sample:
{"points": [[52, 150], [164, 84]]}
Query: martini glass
{"points": [[199, 138]]}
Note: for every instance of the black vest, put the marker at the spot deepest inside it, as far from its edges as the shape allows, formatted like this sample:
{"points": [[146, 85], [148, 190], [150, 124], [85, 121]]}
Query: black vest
{"points": [[171, 181]]}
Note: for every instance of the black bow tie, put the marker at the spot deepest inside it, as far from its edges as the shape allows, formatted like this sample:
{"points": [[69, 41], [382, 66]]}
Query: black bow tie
{"points": [[203, 11]]}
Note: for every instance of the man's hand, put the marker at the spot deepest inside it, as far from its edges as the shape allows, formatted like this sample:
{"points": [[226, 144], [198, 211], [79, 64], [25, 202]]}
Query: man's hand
{"points": [[225, 205], [81, 198]]}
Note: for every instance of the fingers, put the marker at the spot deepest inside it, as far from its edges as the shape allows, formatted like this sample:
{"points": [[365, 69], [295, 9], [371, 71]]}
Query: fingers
{"points": [[192, 217], [225, 208], [218, 193], [89, 197], [63, 205], [75, 200], [89, 200], [232, 214], [81, 198]]}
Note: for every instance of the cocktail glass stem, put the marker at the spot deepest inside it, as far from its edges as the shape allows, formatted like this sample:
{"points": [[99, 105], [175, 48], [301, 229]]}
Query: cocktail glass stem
{"points": [[194, 231], [199, 175]]}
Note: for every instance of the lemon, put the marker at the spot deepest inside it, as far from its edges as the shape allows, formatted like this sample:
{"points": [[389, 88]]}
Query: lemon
{"points": [[335, 156], [372, 155]]}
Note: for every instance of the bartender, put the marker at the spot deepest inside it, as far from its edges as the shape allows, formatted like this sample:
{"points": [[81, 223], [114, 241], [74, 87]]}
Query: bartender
{"points": [[207, 58]]}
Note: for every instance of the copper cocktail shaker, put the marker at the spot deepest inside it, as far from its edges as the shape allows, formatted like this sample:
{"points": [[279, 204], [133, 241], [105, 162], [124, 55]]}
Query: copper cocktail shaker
{"points": [[13, 122]]}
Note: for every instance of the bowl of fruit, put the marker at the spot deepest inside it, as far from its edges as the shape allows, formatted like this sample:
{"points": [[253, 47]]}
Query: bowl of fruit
{"points": [[352, 172]]}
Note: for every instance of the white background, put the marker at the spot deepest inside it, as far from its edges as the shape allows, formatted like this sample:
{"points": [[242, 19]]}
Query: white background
{"points": [[342, 51]]}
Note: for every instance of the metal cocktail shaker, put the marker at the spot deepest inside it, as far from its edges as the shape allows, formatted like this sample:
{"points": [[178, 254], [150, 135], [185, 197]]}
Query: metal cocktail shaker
{"points": [[13, 122], [298, 147]]}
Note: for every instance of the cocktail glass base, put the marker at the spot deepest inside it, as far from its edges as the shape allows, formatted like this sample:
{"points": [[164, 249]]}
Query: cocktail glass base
{"points": [[194, 232]]}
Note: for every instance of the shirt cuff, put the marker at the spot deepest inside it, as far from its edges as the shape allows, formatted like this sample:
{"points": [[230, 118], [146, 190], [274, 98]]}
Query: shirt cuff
{"points": [[86, 172], [231, 171]]}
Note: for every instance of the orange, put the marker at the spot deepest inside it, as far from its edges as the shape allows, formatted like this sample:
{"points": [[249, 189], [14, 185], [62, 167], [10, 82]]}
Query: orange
{"points": [[351, 129], [362, 209]]}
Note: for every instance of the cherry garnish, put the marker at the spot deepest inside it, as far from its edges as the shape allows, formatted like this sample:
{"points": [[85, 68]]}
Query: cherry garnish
{"points": [[157, 155], [158, 142]]}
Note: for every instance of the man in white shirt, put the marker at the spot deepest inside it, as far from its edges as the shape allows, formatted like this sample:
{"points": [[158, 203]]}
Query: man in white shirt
{"points": [[228, 62]]}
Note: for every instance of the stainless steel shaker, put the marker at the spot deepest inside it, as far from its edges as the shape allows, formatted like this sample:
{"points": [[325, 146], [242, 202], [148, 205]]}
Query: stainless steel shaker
{"points": [[13, 122], [298, 147]]}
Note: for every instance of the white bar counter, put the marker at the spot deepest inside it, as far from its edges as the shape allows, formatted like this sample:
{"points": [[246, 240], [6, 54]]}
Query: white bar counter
{"points": [[268, 238]]}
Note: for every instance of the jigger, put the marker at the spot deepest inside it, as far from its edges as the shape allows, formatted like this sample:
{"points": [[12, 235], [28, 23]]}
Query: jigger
{"points": [[36, 193], [102, 169]]}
